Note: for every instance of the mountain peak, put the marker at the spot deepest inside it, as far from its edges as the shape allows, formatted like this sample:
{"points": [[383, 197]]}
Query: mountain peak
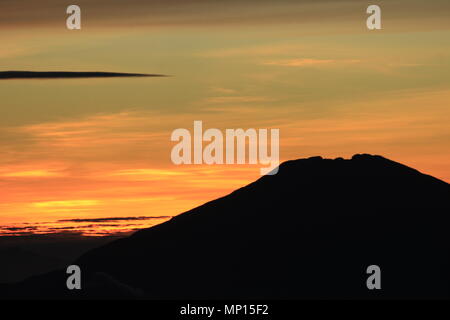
{"points": [[358, 164]]}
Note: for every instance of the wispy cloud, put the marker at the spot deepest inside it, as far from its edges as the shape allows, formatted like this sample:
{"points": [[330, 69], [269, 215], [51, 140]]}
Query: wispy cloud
{"points": [[222, 90], [146, 174], [305, 62], [115, 219], [254, 51], [237, 99], [66, 203], [31, 174], [109, 226]]}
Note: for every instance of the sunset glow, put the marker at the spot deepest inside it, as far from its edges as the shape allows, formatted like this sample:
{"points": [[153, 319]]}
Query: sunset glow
{"points": [[100, 148]]}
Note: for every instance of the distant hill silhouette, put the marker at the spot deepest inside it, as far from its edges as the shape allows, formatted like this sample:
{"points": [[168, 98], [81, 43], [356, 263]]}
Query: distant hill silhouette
{"points": [[18, 264], [308, 232], [28, 255]]}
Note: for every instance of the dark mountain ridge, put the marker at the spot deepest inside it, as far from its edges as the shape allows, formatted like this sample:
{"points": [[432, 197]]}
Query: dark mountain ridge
{"points": [[310, 231]]}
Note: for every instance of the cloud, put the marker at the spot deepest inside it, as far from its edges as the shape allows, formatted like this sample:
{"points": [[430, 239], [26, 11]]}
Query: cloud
{"points": [[66, 203], [147, 173], [18, 228], [30, 174], [237, 99], [254, 51], [83, 226], [115, 219], [5, 75], [307, 62], [222, 90]]}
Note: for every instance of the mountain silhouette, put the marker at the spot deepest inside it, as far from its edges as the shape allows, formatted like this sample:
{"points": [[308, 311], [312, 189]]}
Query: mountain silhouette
{"points": [[32, 254], [310, 231], [18, 264]]}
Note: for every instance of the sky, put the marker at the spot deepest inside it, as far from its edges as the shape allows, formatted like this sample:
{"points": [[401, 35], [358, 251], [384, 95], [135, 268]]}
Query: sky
{"points": [[93, 155]]}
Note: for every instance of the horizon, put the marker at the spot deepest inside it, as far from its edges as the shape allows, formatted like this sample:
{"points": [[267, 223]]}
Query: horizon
{"points": [[125, 226]]}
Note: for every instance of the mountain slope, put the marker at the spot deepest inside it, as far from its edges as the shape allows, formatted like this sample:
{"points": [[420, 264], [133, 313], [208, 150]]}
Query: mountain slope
{"points": [[18, 264], [308, 232]]}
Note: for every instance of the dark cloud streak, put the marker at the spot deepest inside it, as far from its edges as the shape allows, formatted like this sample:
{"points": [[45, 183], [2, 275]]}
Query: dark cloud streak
{"points": [[8, 75], [114, 219]]}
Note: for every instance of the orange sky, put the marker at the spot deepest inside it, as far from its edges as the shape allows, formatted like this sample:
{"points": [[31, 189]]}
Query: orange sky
{"points": [[100, 148]]}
